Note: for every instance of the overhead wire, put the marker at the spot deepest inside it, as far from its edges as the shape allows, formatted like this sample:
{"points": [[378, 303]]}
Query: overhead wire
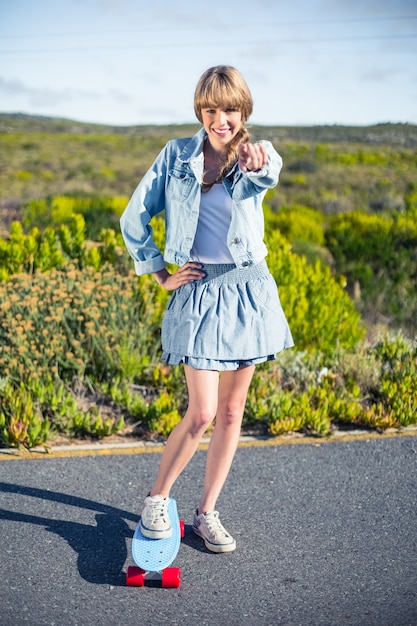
{"points": [[216, 26], [200, 44]]}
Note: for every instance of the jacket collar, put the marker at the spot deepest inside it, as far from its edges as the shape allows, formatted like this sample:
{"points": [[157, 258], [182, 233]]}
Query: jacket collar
{"points": [[194, 146], [192, 153]]}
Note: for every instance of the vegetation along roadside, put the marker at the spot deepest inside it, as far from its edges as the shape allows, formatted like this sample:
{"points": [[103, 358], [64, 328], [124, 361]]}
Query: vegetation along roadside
{"points": [[79, 332]]}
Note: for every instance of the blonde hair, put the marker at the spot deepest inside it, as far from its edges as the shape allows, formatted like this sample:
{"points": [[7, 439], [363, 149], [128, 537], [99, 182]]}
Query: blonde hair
{"points": [[224, 86]]}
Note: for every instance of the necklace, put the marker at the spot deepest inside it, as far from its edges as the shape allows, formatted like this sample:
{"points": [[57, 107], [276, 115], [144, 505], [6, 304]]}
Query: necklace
{"points": [[214, 163]]}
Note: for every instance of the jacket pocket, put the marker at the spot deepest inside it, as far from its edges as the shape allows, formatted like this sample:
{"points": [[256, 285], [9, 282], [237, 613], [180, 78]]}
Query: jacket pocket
{"points": [[179, 184]]}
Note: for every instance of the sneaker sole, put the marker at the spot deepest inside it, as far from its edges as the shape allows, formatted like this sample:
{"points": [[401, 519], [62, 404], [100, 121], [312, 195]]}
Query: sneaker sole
{"points": [[155, 534], [216, 547]]}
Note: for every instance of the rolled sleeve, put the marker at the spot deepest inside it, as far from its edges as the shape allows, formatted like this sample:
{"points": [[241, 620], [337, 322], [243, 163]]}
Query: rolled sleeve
{"points": [[146, 202], [268, 175], [150, 266]]}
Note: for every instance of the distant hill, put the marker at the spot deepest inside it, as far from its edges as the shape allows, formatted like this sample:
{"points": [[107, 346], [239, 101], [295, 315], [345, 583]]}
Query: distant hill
{"points": [[379, 134], [329, 168]]}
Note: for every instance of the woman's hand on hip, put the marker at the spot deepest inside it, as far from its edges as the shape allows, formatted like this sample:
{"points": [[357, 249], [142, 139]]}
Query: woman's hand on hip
{"points": [[186, 274]]}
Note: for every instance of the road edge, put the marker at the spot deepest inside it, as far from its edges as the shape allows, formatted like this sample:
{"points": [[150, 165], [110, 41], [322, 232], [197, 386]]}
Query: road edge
{"points": [[146, 447]]}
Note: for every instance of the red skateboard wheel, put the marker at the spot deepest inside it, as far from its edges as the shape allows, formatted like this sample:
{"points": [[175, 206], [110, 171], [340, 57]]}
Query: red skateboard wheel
{"points": [[135, 576], [171, 577], [182, 528]]}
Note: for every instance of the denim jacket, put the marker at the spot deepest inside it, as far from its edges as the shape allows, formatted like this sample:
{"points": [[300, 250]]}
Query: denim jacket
{"points": [[173, 185]]}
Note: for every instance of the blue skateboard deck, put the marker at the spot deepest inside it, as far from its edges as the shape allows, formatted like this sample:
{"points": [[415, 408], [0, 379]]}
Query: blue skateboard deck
{"points": [[153, 556]]}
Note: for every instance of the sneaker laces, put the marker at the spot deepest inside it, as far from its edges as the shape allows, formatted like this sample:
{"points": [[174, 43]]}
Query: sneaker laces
{"points": [[214, 525], [158, 508]]}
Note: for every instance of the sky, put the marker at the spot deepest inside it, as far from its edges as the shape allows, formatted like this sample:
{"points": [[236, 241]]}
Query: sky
{"points": [[131, 62]]}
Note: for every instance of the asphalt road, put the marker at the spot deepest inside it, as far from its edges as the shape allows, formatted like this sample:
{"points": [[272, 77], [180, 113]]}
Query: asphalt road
{"points": [[326, 535]]}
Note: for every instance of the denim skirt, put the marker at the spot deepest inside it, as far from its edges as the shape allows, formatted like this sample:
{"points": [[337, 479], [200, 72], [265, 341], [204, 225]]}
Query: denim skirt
{"points": [[231, 318]]}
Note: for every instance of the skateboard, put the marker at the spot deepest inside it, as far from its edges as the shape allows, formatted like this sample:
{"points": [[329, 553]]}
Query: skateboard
{"points": [[154, 556]]}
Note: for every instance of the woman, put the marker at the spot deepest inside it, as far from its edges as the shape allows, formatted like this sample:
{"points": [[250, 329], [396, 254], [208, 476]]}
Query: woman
{"points": [[224, 316]]}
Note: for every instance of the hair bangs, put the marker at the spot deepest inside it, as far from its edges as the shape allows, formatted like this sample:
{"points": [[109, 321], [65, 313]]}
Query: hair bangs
{"points": [[219, 94], [223, 86]]}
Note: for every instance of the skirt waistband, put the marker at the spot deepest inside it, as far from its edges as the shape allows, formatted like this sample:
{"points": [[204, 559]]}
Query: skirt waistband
{"points": [[228, 273]]}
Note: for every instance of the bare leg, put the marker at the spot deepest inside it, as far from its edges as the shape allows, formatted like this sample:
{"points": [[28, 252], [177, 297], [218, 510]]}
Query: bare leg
{"points": [[233, 390], [203, 388]]}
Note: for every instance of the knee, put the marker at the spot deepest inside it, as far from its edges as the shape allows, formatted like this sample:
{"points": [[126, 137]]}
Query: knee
{"points": [[231, 413], [200, 418]]}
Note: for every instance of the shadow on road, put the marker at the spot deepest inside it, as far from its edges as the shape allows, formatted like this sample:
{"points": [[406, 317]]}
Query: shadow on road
{"points": [[101, 549], [193, 541]]}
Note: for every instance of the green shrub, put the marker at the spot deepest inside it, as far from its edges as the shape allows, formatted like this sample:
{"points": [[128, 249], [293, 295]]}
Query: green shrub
{"points": [[353, 236], [76, 324], [320, 313], [163, 414], [297, 222], [22, 252], [378, 255], [98, 212], [21, 421], [374, 387]]}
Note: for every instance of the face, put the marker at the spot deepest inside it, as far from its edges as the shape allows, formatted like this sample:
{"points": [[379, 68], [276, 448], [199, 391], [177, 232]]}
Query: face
{"points": [[221, 125]]}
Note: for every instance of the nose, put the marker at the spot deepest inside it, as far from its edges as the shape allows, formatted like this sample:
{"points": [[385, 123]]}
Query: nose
{"points": [[221, 118]]}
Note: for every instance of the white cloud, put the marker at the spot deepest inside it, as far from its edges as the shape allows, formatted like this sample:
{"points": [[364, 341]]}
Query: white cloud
{"points": [[47, 96]]}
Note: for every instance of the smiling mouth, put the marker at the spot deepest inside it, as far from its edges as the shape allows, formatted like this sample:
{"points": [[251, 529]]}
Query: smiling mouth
{"points": [[221, 131]]}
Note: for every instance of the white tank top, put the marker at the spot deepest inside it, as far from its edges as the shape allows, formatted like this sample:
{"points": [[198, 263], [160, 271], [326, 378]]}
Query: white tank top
{"points": [[210, 243]]}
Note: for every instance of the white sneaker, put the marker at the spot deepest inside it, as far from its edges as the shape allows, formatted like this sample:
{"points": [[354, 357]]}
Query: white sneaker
{"points": [[154, 521], [208, 526]]}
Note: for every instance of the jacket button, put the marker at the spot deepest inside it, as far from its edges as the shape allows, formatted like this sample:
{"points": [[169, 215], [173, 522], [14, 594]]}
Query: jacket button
{"points": [[245, 263], [236, 240]]}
